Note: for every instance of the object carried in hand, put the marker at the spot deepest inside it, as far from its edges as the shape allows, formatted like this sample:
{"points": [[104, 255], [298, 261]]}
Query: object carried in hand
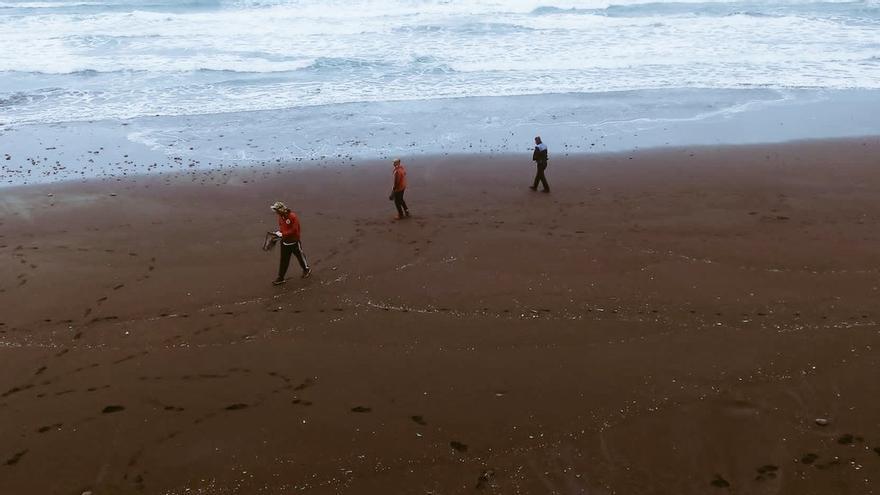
{"points": [[270, 241]]}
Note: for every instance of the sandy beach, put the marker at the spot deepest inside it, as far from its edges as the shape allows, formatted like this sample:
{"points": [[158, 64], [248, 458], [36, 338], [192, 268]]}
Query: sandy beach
{"points": [[665, 322]]}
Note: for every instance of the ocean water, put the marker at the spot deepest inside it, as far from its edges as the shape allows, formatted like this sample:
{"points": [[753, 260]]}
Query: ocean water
{"points": [[80, 60], [108, 88]]}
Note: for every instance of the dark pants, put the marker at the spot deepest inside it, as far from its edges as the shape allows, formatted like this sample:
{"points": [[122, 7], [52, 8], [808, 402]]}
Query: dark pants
{"points": [[539, 177], [400, 203], [288, 249]]}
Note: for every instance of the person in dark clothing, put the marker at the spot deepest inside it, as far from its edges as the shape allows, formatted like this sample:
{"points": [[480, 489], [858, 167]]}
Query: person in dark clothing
{"points": [[540, 158], [398, 189], [289, 232]]}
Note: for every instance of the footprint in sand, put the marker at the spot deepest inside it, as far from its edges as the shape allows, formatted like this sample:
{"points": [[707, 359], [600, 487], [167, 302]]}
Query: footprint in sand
{"points": [[458, 446], [765, 472], [485, 479], [832, 463], [278, 375], [846, 439], [236, 407], [126, 358], [202, 330], [15, 390], [112, 409], [44, 429], [361, 409], [308, 382], [15, 458], [719, 482], [204, 418], [419, 420]]}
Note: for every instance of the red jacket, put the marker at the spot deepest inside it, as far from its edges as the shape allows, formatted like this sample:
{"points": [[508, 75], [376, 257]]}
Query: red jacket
{"points": [[399, 178], [289, 227]]}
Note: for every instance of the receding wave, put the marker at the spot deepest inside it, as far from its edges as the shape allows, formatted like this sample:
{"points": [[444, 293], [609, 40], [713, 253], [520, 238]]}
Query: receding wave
{"points": [[416, 63], [466, 28], [47, 5], [110, 58], [718, 9], [545, 10], [120, 5], [75, 73], [339, 63], [21, 98]]}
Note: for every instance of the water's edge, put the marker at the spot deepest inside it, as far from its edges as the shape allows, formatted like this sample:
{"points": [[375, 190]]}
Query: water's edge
{"points": [[569, 123]]}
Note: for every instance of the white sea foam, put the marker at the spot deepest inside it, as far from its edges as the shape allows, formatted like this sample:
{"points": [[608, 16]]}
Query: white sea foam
{"points": [[83, 60]]}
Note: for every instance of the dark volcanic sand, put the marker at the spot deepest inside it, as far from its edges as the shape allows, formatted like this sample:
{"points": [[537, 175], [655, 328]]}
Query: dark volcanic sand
{"points": [[665, 322]]}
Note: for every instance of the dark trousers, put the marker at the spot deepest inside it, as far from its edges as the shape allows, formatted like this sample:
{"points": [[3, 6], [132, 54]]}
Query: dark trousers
{"points": [[400, 203], [288, 249], [539, 177]]}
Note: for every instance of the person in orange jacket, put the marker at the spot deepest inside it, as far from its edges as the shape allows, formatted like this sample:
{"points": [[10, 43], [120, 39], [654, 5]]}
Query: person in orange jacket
{"points": [[398, 190], [289, 232]]}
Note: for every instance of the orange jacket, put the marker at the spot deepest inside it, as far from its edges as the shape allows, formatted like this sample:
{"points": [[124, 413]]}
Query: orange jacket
{"points": [[289, 227], [399, 178]]}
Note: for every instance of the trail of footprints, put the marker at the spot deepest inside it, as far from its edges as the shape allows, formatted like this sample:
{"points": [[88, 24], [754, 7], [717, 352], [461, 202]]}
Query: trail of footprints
{"points": [[812, 460], [101, 300], [762, 473], [286, 384]]}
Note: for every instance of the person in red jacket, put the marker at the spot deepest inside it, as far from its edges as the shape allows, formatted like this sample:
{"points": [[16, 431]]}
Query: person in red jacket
{"points": [[289, 232], [398, 190]]}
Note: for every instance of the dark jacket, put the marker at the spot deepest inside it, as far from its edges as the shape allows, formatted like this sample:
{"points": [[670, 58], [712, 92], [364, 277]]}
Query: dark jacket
{"points": [[540, 154]]}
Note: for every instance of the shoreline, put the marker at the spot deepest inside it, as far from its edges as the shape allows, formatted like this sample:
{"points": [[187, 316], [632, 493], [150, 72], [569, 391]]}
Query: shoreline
{"points": [[716, 301], [615, 122], [522, 158]]}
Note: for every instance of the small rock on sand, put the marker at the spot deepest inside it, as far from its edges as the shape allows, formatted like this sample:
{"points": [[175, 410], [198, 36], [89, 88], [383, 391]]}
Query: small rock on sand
{"points": [[821, 421]]}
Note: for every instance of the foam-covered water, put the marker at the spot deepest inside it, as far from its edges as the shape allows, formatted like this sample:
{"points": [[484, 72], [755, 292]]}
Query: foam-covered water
{"points": [[73, 60]]}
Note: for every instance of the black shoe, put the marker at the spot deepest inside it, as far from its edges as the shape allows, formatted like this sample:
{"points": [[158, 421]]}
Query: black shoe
{"points": [[546, 190], [278, 281], [307, 273], [406, 213], [533, 188]]}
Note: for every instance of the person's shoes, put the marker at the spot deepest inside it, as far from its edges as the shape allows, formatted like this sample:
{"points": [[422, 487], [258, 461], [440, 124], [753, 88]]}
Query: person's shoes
{"points": [[406, 214], [546, 190], [307, 273], [533, 188], [278, 281]]}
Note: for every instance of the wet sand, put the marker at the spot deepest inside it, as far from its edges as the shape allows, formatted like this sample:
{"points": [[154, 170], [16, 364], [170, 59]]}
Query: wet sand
{"points": [[665, 322]]}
